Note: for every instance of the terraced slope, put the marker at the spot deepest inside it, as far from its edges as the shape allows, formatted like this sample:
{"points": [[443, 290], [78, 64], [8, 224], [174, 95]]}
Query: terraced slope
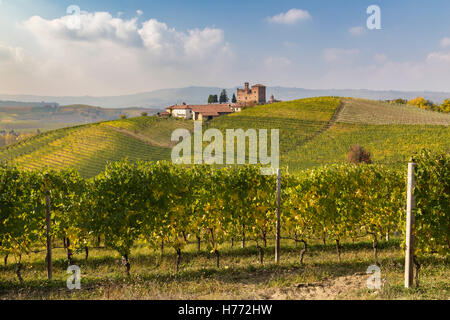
{"points": [[391, 133], [88, 148], [298, 121], [310, 135], [374, 112], [391, 145], [313, 132]]}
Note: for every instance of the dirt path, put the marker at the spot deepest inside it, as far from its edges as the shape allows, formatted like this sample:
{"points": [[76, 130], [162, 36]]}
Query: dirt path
{"points": [[338, 288], [331, 122]]}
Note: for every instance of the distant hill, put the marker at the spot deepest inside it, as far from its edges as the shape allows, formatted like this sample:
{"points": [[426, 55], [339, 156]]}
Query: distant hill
{"points": [[159, 99], [21, 116], [313, 132], [27, 104]]}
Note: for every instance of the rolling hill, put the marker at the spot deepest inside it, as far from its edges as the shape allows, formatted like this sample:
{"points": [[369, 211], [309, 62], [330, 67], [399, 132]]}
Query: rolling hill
{"points": [[25, 117], [313, 132]]}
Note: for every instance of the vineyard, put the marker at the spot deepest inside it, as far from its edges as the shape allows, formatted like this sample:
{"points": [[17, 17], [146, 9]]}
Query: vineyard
{"points": [[132, 207], [88, 148], [374, 112], [313, 132]]}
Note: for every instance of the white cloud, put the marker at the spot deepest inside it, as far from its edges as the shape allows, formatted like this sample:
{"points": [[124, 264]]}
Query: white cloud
{"points": [[357, 31], [290, 17], [438, 57], [277, 62], [289, 44], [11, 54], [445, 42], [139, 12], [335, 55], [380, 58], [92, 27], [109, 55]]}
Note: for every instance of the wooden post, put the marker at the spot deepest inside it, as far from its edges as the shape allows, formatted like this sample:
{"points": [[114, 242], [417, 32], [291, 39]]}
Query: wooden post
{"points": [[410, 205], [278, 226], [49, 239]]}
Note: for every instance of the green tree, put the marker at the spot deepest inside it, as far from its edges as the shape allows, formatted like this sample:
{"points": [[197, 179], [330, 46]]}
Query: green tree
{"points": [[234, 100], [223, 97], [213, 98]]}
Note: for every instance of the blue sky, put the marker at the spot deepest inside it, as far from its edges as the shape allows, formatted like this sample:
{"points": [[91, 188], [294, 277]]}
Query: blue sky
{"points": [[125, 47]]}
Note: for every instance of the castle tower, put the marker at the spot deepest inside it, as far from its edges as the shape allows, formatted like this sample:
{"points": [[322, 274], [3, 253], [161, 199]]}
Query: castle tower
{"points": [[257, 94]]}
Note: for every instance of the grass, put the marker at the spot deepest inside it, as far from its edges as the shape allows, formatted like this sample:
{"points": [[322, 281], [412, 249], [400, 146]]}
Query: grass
{"points": [[239, 277]]}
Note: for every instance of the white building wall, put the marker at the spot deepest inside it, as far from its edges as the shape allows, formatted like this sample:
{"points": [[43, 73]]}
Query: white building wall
{"points": [[182, 113]]}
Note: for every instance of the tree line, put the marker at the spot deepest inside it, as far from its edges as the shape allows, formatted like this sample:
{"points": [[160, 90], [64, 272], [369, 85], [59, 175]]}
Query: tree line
{"points": [[223, 98], [422, 103]]}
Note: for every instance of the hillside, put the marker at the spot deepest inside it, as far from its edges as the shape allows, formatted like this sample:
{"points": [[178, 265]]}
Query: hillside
{"points": [[311, 136], [27, 117], [313, 132], [88, 148]]}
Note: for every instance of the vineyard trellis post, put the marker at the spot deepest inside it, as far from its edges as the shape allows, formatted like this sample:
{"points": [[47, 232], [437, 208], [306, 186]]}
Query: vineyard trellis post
{"points": [[48, 234], [410, 205], [278, 226]]}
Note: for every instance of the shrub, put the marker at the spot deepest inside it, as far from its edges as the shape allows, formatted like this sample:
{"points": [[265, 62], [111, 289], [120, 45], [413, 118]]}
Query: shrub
{"points": [[445, 107], [422, 103], [358, 154]]}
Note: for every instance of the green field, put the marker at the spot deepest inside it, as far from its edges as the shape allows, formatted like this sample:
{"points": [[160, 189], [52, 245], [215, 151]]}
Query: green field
{"points": [[313, 132]]}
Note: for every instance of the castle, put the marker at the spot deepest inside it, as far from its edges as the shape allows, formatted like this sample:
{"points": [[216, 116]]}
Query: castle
{"points": [[257, 94]]}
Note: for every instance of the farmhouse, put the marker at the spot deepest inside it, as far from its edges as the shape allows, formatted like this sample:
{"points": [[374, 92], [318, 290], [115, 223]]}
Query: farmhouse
{"points": [[245, 97], [200, 112], [257, 94]]}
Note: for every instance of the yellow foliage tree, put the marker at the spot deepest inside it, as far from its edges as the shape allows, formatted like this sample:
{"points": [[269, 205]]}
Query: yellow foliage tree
{"points": [[445, 107], [420, 102]]}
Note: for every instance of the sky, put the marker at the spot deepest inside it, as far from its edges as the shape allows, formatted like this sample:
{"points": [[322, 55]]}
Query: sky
{"points": [[114, 47]]}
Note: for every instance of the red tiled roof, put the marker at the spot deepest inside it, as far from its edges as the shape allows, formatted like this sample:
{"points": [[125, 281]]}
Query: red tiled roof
{"points": [[182, 106], [206, 109]]}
